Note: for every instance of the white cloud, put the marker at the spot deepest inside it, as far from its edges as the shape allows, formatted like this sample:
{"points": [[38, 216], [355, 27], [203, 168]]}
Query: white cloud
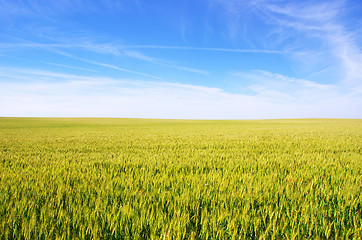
{"points": [[30, 93], [282, 89]]}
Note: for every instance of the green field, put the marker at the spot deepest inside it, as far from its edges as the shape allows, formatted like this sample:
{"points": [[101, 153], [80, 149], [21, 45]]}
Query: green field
{"points": [[180, 179]]}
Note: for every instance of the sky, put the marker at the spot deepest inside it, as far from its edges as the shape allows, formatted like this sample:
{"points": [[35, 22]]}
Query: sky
{"points": [[185, 59]]}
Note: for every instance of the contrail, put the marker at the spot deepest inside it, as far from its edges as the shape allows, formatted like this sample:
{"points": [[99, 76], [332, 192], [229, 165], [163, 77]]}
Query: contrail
{"points": [[40, 45], [205, 49]]}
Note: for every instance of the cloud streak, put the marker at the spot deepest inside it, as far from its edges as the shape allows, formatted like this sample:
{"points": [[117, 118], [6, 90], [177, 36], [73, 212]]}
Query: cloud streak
{"points": [[107, 48], [140, 56], [230, 50], [129, 51], [70, 67], [104, 49], [106, 65]]}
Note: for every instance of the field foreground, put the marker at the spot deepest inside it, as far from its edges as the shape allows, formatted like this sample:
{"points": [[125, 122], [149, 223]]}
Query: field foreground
{"points": [[180, 179]]}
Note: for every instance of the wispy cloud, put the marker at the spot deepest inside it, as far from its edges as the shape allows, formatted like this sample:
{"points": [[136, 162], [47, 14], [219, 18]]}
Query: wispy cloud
{"points": [[314, 33], [103, 49], [231, 50], [284, 89], [116, 49], [322, 21], [183, 28], [16, 74], [141, 56], [123, 69], [50, 8], [111, 66], [92, 47], [83, 96], [70, 67]]}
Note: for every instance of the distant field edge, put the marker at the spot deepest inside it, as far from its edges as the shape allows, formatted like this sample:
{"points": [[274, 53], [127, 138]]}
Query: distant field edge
{"points": [[182, 119]]}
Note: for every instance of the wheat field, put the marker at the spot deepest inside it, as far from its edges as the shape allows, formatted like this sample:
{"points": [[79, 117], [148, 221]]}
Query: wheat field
{"points": [[180, 179]]}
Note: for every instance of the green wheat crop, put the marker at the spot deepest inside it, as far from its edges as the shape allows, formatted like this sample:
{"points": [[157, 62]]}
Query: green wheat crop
{"points": [[178, 179]]}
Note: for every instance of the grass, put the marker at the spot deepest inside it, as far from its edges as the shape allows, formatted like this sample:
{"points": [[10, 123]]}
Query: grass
{"points": [[180, 179]]}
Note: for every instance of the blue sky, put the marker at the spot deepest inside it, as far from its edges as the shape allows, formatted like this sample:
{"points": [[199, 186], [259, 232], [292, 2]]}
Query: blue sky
{"points": [[200, 59]]}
